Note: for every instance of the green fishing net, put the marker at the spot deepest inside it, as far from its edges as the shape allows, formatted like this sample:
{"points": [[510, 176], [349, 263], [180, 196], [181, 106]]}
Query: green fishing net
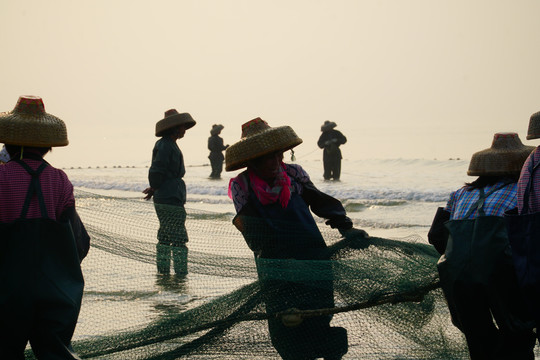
{"points": [[383, 301]]}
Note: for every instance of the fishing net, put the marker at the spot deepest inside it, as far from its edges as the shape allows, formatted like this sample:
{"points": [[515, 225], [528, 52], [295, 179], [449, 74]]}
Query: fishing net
{"points": [[381, 301]]}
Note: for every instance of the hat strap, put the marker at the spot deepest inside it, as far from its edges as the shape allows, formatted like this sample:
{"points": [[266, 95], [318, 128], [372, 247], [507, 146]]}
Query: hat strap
{"points": [[34, 188]]}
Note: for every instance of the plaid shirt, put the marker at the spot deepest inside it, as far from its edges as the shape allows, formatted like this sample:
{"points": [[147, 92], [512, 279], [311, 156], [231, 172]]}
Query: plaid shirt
{"points": [[495, 205], [14, 183], [534, 196]]}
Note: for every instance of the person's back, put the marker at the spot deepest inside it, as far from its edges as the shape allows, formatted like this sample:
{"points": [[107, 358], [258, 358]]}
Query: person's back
{"points": [[43, 239], [502, 197], [14, 183], [476, 272]]}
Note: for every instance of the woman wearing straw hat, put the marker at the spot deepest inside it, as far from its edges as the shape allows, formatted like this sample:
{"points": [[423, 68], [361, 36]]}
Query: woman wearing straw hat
{"points": [[476, 271], [273, 201], [169, 192], [524, 225], [216, 147], [330, 140], [43, 238]]}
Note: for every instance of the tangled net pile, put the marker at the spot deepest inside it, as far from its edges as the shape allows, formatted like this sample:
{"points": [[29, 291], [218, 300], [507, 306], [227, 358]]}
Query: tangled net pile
{"points": [[387, 296]]}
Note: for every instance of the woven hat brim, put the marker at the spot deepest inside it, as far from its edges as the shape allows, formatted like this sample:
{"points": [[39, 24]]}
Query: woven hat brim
{"points": [[280, 138], [173, 121], [491, 162], [42, 130]]}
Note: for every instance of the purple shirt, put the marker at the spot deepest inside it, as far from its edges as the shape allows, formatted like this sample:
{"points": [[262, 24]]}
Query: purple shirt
{"points": [[534, 196], [14, 183]]}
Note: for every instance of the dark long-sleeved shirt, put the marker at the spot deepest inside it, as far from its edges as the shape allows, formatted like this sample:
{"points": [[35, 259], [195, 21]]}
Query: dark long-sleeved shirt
{"points": [[330, 141], [216, 147], [166, 173]]}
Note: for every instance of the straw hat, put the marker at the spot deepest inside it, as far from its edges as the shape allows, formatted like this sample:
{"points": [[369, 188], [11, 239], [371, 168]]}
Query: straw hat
{"points": [[328, 125], [259, 139], [29, 125], [173, 119], [216, 128], [534, 126], [505, 156]]}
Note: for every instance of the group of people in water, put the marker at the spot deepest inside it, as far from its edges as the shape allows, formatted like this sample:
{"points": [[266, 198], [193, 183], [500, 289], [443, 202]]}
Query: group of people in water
{"points": [[485, 234]]}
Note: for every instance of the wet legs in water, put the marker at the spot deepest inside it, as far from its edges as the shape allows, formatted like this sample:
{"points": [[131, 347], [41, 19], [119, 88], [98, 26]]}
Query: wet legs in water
{"points": [[172, 239]]}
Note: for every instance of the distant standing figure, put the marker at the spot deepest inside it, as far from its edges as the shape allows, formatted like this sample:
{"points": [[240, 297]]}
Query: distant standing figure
{"points": [[169, 192], [43, 240], [330, 140], [216, 147]]}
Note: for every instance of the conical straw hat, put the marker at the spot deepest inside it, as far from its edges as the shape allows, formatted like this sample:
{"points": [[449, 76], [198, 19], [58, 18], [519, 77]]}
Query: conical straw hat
{"points": [[259, 139], [505, 157], [534, 126], [29, 125], [173, 118], [216, 128], [328, 125]]}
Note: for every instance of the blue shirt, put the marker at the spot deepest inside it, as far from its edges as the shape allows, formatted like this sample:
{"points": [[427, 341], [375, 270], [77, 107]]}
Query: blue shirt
{"points": [[495, 205]]}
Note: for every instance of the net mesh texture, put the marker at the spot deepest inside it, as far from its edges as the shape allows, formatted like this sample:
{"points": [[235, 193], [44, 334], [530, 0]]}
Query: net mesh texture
{"points": [[381, 302]]}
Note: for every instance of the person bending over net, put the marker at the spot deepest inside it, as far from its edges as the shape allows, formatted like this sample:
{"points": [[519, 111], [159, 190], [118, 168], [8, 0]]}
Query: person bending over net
{"points": [[273, 200]]}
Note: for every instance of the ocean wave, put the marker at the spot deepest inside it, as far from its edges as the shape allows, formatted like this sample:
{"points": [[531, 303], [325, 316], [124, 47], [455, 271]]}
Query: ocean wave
{"points": [[385, 182], [354, 205]]}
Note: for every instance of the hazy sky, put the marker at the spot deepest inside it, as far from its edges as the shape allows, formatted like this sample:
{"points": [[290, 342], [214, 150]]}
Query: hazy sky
{"points": [[401, 78]]}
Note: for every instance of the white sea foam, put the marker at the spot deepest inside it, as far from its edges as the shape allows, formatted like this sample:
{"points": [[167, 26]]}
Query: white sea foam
{"points": [[390, 180]]}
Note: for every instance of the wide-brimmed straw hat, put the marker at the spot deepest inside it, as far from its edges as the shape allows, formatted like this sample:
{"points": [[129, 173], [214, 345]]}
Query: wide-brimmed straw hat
{"points": [[534, 126], [216, 128], [505, 157], [29, 125], [172, 119], [259, 139], [328, 125]]}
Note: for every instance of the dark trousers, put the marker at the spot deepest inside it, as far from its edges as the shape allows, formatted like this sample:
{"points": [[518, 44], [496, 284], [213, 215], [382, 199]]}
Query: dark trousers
{"points": [[484, 339], [217, 168], [332, 169], [172, 238], [314, 337]]}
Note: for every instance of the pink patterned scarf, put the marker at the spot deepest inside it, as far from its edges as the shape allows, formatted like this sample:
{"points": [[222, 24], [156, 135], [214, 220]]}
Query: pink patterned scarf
{"points": [[267, 195]]}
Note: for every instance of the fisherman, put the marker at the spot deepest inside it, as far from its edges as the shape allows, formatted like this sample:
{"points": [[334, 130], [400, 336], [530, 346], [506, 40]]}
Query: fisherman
{"points": [[476, 271], [330, 140], [272, 201], [43, 238], [216, 147], [168, 189], [524, 225]]}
